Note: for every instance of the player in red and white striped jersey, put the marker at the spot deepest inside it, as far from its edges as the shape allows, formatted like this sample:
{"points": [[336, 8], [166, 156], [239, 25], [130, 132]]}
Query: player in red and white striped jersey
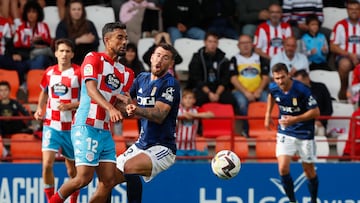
{"points": [[60, 95], [269, 35], [345, 43]]}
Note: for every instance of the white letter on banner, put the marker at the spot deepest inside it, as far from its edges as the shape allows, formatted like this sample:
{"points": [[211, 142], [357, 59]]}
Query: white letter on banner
{"points": [[234, 199], [123, 197], [217, 199], [17, 184], [4, 191], [32, 188]]}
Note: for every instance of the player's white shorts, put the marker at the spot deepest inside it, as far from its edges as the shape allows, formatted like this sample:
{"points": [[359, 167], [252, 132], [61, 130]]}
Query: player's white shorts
{"points": [[288, 145], [161, 157]]}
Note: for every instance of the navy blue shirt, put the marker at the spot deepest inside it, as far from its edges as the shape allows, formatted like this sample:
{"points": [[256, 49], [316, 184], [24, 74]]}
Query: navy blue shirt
{"points": [[147, 92], [295, 102]]}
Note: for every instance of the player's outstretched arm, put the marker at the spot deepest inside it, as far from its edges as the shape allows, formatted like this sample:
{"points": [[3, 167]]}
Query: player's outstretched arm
{"points": [[155, 114], [269, 108]]}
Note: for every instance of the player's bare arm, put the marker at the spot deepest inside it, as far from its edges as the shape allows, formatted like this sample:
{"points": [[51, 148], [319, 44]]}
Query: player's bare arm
{"points": [[68, 106], [269, 108], [155, 114], [42, 102], [94, 94]]}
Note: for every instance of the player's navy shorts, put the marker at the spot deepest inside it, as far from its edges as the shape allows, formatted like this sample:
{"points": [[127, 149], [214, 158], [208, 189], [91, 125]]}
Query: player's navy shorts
{"points": [[53, 140]]}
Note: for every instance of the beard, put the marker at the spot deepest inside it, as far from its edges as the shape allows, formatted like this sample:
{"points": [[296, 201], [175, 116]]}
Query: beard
{"points": [[119, 53], [159, 73]]}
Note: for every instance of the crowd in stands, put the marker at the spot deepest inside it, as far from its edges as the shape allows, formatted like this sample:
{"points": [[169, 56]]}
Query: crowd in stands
{"points": [[268, 32]]}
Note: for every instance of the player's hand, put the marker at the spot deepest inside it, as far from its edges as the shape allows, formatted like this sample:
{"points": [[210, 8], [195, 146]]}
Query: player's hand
{"points": [[268, 122], [38, 114], [124, 98], [130, 109], [115, 115]]}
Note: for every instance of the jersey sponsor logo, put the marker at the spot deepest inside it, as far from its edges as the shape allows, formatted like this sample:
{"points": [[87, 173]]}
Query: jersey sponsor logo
{"points": [[88, 70], [168, 94], [59, 89], [112, 81], [276, 42], [294, 102], [249, 72], [146, 101], [354, 39], [153, 91], [289, 109]]}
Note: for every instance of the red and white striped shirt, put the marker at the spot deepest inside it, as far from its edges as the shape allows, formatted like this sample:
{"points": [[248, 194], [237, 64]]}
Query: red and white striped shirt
{"points": [[24, 34], [186, 130], [62, 87], [347, 36], [112, 78], [269, 38], [5, 32]]}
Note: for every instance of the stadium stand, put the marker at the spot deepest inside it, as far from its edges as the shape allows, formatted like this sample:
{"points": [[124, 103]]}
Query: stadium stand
{"points": [[240, 147], [256, 125], [330, 78], [25, 148], [332, 15]]}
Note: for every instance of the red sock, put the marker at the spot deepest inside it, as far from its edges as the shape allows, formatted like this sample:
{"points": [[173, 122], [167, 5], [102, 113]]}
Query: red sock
{"points": [[49, 192], [74, 196], [56, 199]]}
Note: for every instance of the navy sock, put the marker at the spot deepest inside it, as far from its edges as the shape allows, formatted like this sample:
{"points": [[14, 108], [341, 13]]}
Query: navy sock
{"points": [[313, 185], [134, 188], [288, 185]]}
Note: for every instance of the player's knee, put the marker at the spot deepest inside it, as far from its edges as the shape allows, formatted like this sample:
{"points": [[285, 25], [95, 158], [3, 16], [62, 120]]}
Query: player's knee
{"points": [[345, 65], [47, 166], [284, 171]]}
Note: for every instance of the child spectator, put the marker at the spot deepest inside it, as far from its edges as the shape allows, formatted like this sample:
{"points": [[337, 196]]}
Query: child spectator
{"points": [[315, 45], [8, 108], [351, 148], [188, 123]]}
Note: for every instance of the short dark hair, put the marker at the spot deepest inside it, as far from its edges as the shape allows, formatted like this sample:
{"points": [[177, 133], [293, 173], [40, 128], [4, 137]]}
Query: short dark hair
{"points": [[312, 17], [33, 5], [279, 67], [109, 27], [5, 83], [303, 73], [64, 41], [348, 2], [210, 33], [168, 47]]}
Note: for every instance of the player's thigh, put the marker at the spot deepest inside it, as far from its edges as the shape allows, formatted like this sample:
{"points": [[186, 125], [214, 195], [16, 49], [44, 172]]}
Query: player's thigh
{"points": [[285, 145], [307, 150]]}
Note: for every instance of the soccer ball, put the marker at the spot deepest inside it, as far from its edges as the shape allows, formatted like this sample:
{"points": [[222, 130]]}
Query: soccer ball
{"points": [[225, 164]]}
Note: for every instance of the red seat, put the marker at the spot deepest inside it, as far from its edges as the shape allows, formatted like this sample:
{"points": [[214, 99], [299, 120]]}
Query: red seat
{"points": [[130, 129], [256, 125], [120, 144], [25, 148], [12, 77], [222, 124], [265, 149], [240, 147], [33, 84]]}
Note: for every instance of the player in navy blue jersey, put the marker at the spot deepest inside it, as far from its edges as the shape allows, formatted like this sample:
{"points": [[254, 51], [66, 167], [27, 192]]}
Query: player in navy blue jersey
{"points": [[157, 95], [298, 110]]}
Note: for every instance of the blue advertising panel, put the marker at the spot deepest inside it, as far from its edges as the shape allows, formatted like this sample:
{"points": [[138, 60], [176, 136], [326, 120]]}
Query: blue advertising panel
{"points": [[194, 183]]}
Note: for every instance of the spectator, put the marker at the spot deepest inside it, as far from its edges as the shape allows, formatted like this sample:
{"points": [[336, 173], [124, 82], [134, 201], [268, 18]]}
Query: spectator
{"points": [[355, 85], [269, 35], [293, 59], [131, 59], [315, 44], [253, 13], [219, 17], [188, 123], [32, 39], [161, 37], [209, 74], [132, 14], [295, 12], [322, 96], [79, 29], [334, 3], [249, 76], [182, 18], [8, 108], [345, 44], [6, 61]]}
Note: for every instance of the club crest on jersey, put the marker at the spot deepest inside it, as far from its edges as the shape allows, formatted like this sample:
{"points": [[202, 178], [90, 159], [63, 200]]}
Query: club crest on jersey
{"points": [[59, 89], [88, 70], [112, 81], [294, 102], [168, 94]]}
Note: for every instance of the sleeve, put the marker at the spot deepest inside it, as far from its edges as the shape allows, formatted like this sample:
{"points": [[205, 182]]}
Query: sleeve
{"points": [[310, 100], [225, 73], [233, 67], [287, 8], [196, 72], [61, 31], [44, 83], [46, 34], [93, 30], [246, 16], [338, 35], [169, 92], [125, 14], [90, 66], [264, 65], [22, 109], [135, 85], [258, 37], [130, 79]]}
